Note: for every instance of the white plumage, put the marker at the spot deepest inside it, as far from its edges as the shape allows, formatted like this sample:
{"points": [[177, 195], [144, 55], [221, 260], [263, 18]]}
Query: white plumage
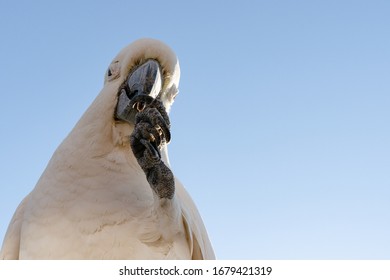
{"points": [[93, 200]]}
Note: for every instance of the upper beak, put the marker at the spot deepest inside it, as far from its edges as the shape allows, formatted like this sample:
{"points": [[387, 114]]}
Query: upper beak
{"points": [[146, 79]]}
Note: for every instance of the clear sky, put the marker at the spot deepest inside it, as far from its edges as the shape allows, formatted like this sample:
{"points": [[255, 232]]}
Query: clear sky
{"points": [[280, 131]]}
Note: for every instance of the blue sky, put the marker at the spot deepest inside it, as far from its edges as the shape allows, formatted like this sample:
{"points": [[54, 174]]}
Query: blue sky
{"points": [[280, 131]]}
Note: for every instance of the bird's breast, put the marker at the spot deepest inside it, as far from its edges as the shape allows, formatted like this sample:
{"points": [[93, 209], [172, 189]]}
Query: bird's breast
{"points": [[108, 213]]}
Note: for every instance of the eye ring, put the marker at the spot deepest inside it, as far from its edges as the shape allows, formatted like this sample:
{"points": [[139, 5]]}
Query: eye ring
{"points": [[113, 71]]}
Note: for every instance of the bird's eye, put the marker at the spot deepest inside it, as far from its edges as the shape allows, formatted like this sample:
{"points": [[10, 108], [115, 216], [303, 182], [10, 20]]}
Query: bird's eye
{"points": [[113, 71]]}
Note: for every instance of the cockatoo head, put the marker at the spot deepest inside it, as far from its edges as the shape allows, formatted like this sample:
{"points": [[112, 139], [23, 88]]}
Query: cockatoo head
{"points": [[147, 67]]}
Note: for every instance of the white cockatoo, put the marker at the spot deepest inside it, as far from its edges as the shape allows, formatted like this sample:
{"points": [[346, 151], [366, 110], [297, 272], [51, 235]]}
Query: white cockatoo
{"points": [[108, 191]]}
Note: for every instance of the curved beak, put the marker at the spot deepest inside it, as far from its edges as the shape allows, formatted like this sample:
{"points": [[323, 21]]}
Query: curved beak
{"points": [[146, 79]]}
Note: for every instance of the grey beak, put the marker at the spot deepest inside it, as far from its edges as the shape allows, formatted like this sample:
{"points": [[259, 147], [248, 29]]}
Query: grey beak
{"points": [[146, 79]]}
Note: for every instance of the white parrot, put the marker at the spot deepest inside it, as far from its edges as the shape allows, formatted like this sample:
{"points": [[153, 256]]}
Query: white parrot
{"points": [[108, 192]]}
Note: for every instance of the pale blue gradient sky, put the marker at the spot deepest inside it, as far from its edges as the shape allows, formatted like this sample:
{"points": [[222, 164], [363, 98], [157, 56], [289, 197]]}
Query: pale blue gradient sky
{"points": [[280, 131]]}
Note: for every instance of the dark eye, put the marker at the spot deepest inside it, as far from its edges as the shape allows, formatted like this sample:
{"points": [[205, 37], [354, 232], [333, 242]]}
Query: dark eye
{"points": [[113, 71]]}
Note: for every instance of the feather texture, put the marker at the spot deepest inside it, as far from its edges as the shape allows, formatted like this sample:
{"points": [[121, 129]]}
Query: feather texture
{"points": [[93, 200]]}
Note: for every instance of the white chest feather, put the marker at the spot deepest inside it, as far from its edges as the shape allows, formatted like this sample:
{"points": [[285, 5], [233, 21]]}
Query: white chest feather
{"points": [[104, 214]]}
